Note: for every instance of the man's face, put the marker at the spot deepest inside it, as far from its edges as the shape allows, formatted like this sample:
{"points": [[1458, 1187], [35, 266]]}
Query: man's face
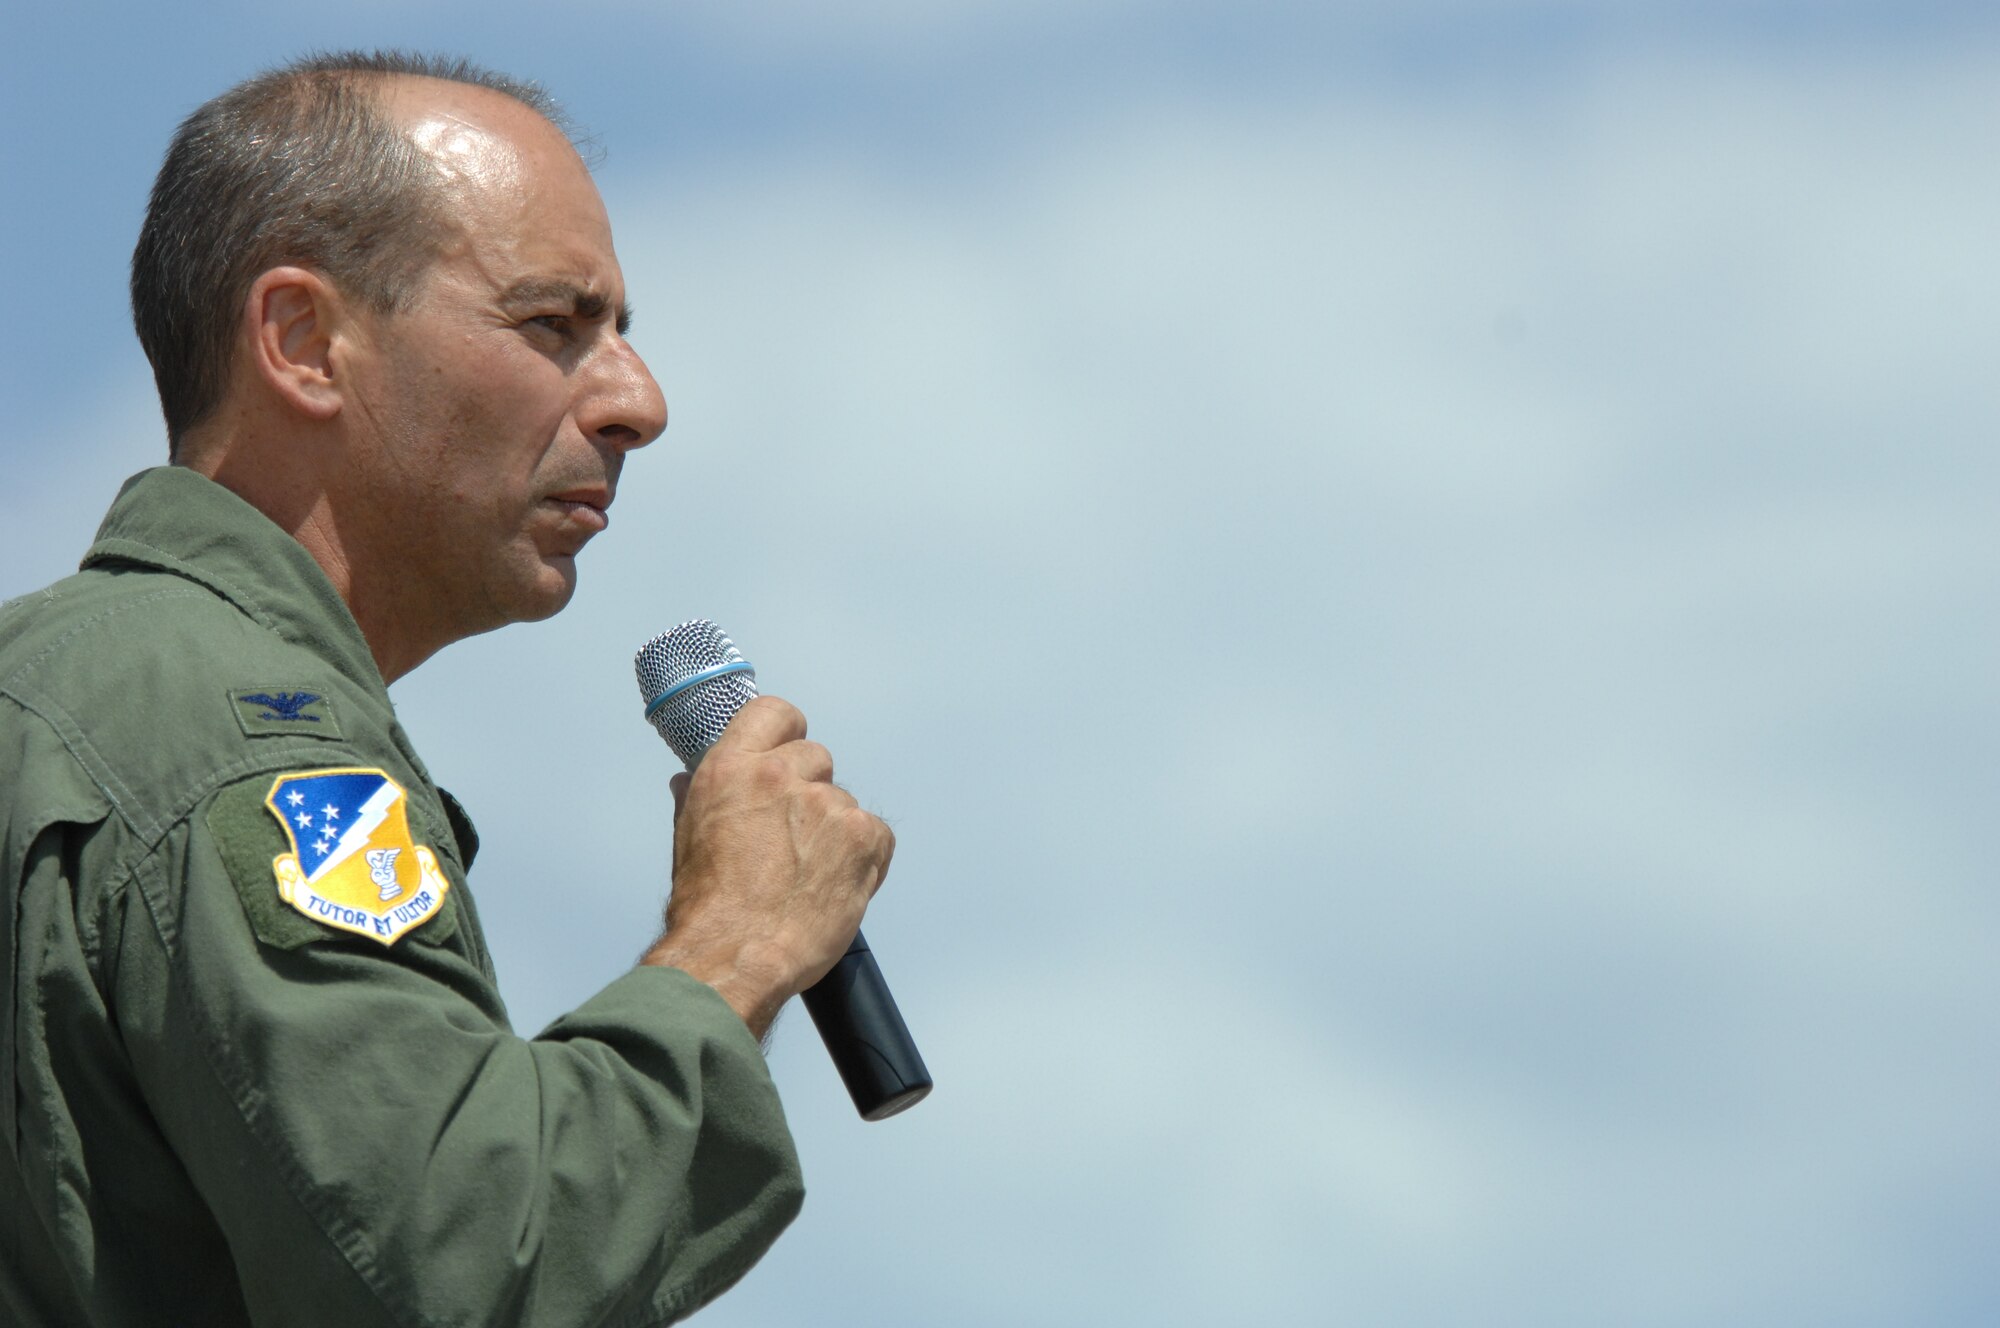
{"points": [[492, 416]]}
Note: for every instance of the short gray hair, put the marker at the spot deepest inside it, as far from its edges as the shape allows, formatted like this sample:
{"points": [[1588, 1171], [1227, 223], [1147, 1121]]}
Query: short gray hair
{"points": [[300, 164]]}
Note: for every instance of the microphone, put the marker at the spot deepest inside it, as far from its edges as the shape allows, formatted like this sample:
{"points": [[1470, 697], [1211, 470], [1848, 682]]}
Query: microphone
{"points": [[693, 680]]}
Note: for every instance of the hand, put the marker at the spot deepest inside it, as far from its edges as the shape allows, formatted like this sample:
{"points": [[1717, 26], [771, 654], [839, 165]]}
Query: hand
{"points": [[774, 864]]}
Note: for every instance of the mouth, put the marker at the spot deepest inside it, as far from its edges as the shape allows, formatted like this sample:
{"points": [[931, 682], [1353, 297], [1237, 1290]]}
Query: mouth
{"points": [[588, 508]]}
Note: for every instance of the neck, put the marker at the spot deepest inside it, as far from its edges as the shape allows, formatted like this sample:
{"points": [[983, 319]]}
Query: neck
{"points": [[402, 632]]}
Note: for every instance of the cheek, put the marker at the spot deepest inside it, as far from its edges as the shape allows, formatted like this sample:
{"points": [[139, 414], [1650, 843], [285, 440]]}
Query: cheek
{"points": [[520, 396], [496, 440], [473, 430]]}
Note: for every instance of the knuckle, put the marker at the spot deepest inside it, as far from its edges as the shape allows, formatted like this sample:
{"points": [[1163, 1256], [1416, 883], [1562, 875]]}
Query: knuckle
{"points": [[721, 765], [831, 799], [871, 833], [783, 712], [769, 772], [835, 795], [817, 759]]}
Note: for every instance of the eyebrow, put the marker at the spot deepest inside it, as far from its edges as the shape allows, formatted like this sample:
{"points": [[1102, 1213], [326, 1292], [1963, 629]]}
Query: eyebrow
{"points": [[554, 290]]}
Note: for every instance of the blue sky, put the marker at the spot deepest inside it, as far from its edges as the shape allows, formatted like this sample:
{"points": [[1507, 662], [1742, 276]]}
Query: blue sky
{"points": [[1417, 581]]}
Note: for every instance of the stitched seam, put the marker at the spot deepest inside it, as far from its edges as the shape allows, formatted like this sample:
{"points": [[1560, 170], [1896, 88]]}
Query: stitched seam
{"points": [[210, 582], [52, 647], [72, 735], [677, 1304], [95, 768], [102, 773]]}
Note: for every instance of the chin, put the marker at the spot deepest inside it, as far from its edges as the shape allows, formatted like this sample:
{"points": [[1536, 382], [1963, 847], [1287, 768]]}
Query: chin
{"points": [[549, 595]]}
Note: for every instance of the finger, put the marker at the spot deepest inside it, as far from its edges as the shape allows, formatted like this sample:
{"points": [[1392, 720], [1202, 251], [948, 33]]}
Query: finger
{"points": [[828, 800], [876, 841], [809, 761], [886, 848], [765, 723], [678, 786]]}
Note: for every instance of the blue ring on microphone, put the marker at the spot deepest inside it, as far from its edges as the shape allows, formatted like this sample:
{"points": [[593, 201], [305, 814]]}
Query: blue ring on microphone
{"points": [[696, 679]]}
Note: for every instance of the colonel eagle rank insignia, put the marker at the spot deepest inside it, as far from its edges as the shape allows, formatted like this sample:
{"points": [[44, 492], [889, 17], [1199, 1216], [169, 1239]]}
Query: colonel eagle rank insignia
{"points": [[353, 864]]}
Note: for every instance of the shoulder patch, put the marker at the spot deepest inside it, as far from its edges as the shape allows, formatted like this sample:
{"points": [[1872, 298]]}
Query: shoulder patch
{"points": [[354, 864], [247, 839], [291, 711]]}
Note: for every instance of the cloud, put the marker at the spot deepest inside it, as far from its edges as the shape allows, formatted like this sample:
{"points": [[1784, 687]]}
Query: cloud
{"points": [[1427, 646], [1438, 563]]}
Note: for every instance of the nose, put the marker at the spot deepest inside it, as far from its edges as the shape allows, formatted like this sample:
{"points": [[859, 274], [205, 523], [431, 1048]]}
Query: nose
{"points": [[620, 404]]}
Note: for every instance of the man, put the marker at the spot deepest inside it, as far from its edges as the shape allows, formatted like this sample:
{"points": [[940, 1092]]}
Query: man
{"points": [[253, 1065]]}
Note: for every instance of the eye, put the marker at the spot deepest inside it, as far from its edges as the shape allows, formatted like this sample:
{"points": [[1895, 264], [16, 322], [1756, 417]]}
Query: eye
{"points": [[560, 324]]}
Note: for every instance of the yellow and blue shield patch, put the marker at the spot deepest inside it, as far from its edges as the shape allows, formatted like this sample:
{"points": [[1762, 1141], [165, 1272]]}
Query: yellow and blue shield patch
{"points": [[354, 864]]}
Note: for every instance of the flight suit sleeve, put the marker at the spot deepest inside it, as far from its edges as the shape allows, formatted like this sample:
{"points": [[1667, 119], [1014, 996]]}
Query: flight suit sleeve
{"points": [[379, 1148]]}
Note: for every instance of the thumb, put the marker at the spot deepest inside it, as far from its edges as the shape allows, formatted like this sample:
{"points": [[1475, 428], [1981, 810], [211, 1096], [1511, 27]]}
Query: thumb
{"points": [[678, 786]]}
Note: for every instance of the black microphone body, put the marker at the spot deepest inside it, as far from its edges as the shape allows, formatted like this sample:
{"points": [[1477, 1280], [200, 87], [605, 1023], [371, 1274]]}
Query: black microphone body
{"points": [[694, 680], [865, 1035]]}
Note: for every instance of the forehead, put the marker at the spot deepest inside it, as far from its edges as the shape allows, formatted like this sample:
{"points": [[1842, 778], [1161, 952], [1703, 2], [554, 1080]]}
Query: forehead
{"points": [[519, 200]]}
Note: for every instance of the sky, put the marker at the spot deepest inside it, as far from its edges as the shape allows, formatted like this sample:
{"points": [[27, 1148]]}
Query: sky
{"points": [[1416, 581]]}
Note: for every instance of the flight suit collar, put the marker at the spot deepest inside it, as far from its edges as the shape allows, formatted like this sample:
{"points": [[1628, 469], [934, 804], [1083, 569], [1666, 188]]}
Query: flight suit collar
{"points": [[181, 522]]}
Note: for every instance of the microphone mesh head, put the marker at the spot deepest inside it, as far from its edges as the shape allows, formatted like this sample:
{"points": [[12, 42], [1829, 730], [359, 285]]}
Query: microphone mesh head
{"points": [[693, 718]]}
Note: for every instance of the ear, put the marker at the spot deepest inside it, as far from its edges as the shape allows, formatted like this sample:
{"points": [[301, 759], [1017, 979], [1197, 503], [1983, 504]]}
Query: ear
{"points": [[294, 315]]}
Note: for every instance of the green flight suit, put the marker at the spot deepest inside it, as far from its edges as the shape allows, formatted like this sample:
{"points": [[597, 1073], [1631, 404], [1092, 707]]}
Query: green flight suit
{"points": [[217, 1110]]}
